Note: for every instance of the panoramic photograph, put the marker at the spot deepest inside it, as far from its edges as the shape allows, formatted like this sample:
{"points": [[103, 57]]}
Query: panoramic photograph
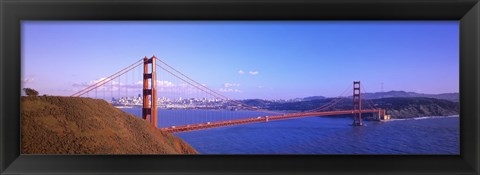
{"points": [[240, 87]]}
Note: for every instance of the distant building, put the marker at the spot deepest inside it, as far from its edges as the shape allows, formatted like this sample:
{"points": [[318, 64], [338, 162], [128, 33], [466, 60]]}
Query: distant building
{"points": [[386, 117]]}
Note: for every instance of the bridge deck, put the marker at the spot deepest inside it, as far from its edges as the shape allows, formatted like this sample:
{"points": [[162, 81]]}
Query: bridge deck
{"points": [[208, 125]]}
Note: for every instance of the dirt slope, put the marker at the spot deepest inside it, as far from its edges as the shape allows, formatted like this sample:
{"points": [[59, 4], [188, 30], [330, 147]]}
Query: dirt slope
{"points": [[73, 125]]}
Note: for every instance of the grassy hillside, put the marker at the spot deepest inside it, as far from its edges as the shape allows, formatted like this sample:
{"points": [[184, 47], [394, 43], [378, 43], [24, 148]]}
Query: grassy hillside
{"points": [[73, 125]]}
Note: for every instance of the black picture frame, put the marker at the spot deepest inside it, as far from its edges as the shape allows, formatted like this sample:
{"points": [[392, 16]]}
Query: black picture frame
{"points": [[14, 11]]}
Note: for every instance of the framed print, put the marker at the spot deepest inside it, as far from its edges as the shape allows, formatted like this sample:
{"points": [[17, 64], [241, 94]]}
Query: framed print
{"points": [[239, 87]]}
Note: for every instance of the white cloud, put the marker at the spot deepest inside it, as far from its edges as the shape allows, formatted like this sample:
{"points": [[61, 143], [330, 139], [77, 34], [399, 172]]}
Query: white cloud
{"points": [[250, 72], [27, 80], [227, 85], [91, 82], [184, 85], [164, 83], [98, 80], [229, 90]]}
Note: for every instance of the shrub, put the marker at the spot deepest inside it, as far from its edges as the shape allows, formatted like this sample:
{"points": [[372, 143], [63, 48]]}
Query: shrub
{"points": [[30, 92]]}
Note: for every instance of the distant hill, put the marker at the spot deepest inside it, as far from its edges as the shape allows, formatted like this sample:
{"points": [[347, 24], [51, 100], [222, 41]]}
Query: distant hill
{"points": [[257, 102], [416, 106], [74, 125], [398, 107], [314, 98], [445, 96]]}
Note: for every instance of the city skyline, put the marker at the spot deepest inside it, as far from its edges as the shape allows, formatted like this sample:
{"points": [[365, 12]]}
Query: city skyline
{"points": [[244, 60]]}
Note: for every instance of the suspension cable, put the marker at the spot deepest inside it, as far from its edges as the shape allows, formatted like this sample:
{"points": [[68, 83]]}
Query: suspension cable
{"points": [[369, 101], [95, 84], [213, 93], [334, 101], [108, 80]]}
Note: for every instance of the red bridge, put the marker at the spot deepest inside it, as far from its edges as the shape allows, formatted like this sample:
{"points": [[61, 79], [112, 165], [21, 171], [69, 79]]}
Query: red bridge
{"points": [[200, 126], [187, 94]]}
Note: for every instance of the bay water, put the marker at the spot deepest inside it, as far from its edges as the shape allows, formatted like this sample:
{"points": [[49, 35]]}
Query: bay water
{"points": [[315, 135]]}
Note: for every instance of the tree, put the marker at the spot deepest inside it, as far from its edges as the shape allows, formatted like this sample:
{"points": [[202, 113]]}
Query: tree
{"points": [[30, 92]]}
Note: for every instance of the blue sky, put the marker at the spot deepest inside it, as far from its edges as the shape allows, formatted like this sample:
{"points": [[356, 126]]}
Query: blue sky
{"points": [[279, 60]]}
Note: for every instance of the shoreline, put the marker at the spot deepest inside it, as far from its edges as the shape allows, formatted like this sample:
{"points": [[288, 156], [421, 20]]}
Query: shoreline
{"points": [[423, 118]]}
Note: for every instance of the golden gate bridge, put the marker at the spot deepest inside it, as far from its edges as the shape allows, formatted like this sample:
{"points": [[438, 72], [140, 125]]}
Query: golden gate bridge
{"points": [[121, 83]]}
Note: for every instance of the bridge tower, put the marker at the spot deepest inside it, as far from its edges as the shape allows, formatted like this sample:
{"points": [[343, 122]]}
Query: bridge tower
{"points": [[149, 111], [357, 104]]}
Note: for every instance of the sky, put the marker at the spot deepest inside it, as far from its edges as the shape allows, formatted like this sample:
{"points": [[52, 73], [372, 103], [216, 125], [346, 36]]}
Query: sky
{"points": [[247, 59]]}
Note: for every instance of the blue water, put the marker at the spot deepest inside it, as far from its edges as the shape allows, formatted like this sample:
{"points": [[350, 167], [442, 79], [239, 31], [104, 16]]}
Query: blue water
{"points": [[320, 135], [167, 118]]}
